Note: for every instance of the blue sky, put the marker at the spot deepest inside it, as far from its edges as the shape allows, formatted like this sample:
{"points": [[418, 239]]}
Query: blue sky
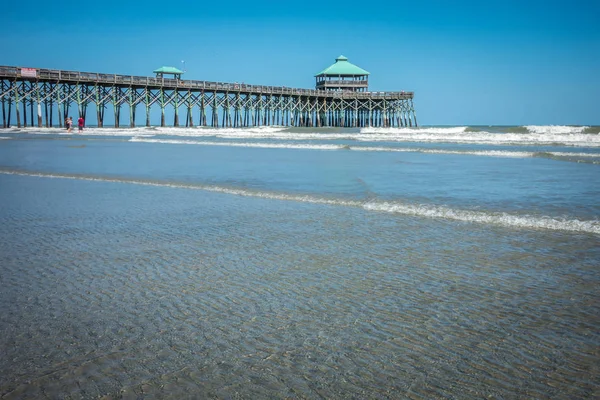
{"points": [[496, 62]]}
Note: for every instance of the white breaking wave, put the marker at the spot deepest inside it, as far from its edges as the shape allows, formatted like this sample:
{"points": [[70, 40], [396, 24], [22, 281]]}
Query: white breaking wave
{"points": [[259, 131], [242, 144], [396, 207], [127, 132], [538, 135], [153, 131], [555, 129], [2, 137], [504, 219], [488, 153], [504, 153], [538, 129], [548, 137], [426, 135], [429, 129]]}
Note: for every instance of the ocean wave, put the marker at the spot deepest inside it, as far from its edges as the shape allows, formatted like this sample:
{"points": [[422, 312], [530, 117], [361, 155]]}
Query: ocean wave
{"points": [[483, 137], [517, 129], [588, 158], [493, 153], [395, 207], [93, 131], [151, 131], [493, 218], [556, 129], [592, 130], [224, 132], [242, 144], [557, 136], [423, 129], [489, 153]]}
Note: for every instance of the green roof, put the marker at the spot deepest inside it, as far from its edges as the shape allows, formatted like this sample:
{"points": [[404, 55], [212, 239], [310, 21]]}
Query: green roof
{"points": [[343, 67], [167, 70]]}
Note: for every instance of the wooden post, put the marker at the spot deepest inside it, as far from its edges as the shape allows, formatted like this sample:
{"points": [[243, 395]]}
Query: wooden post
{"points": [[147, 97], [4, 125], [319, 113], [24, 101], [67, 103], [98, 104], [117, 106], [51, 106], [131, 109], [162, 107], [84, 104], [39, 111], [3, 114], [117, 112], [9, 110], [100, 109], [176, 104], [190, 108], [31, 108], [78, 100], [215, 111], [225, 111], [414, 113], [46, 113], [202, 110], [17, 106]]}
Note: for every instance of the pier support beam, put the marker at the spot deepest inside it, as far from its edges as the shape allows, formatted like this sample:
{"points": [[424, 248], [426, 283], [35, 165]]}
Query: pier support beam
{"points": [[176, 106], [18, 114], [116, 100], [39, 106]]}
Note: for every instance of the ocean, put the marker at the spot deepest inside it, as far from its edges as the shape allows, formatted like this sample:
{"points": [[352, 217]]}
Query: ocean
{"points": [[444, 262]]}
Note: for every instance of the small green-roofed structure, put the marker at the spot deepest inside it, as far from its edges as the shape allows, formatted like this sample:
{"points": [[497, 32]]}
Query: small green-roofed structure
{"points": [[160, 72], [343, 75]]}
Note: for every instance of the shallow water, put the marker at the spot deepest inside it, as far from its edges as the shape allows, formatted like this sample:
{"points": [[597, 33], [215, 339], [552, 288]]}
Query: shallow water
{"points": [[215, 271]]}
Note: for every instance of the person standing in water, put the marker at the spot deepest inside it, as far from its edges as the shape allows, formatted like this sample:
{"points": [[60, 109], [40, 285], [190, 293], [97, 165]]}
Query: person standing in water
{"points": [[69, 124], [80, 123]]}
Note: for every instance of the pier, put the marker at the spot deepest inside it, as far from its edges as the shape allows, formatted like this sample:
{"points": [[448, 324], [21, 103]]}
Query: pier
{"points": [[332, 103]]}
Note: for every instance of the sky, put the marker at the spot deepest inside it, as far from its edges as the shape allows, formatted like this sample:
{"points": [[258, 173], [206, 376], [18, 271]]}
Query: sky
{"points": [[468, 62]]}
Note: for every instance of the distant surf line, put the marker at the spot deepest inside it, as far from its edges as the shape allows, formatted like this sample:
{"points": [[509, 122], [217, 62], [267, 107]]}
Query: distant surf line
{"points": [[393, 207], [333, 147], [435, 129], [576, 136]]}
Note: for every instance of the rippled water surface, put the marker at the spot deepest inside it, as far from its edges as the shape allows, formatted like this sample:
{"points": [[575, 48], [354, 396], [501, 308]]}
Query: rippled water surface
{"points": [[151, 269]]}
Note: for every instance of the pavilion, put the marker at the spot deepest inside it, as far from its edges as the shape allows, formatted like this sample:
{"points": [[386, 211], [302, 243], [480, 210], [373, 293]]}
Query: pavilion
{"points": [[343, 75], [162, 71]]}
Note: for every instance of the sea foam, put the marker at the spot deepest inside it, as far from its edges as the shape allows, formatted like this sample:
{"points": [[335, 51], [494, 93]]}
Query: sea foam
{"points": [[395, 207], [302, 146], [533, 135]]}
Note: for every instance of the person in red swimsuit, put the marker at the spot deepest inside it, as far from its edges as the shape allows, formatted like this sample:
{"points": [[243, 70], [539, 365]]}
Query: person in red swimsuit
{"points": [[80, 123]]}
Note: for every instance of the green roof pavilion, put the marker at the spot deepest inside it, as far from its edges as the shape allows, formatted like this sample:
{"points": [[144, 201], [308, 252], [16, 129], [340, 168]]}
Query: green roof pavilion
{"points": [[160, 73], [343, 75]]}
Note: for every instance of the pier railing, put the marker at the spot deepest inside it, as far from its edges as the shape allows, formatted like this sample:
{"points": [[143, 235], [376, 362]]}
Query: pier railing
{"points": [[340, 82], [51, 75]]}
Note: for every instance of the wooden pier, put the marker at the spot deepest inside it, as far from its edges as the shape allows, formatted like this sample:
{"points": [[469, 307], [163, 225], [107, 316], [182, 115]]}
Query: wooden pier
{"points": [[216, 104]]}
